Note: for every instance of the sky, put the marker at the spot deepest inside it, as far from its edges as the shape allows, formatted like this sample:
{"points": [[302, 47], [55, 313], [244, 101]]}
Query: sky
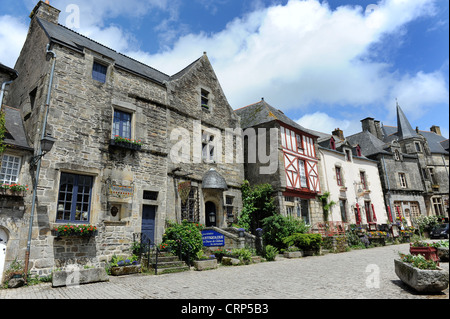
{"points": [[325, 64]]}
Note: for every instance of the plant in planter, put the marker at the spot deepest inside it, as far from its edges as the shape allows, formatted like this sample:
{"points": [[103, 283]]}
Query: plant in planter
{"points": [[124, 265], [292, 252], [310, 244], [421, 274], [270, 253], [82, 230], [13, 189], [126, 142], [204, 262], [14, 276]]}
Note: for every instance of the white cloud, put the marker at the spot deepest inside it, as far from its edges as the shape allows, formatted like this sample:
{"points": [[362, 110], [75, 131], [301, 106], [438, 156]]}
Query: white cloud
{"points": [[12, 37], [324, 123]]}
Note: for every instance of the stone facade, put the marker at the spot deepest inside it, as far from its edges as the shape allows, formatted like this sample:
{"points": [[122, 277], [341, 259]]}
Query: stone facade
{"points": [[117, 186]]}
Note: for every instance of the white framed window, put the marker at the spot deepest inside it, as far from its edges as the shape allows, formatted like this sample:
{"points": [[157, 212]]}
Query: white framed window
{"points": [[302, 172], [10, 169], [208, 150]]}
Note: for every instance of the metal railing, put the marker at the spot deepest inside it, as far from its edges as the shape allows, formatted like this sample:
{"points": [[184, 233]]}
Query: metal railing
{"points": [[147, 248]]}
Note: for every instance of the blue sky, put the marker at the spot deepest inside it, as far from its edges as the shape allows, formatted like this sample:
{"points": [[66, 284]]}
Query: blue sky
{"points": [[326, 64]]}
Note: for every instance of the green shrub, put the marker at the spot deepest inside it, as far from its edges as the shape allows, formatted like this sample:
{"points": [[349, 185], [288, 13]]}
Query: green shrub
{"points": [[270, 253], [278, 227], [304, 241], [244, 254], [184, 239]]}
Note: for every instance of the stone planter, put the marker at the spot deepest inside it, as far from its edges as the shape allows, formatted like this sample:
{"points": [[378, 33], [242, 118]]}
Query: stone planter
{"points": [[125, 270], [205, 264], [293, 254], [230, 261], [442, 253], [421, 280], [78, 277]]}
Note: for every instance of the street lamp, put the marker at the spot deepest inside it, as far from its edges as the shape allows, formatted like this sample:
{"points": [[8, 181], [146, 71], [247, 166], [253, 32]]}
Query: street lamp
{"points": [[212, 218], [46, 146]]}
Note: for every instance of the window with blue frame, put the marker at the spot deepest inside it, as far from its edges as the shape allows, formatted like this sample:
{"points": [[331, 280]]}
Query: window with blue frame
{"points": [[99, 72], [122, 124], [74, 200]]}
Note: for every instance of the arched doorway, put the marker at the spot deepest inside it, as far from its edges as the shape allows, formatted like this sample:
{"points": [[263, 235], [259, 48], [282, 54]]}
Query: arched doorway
{"points": [[210, 214], [3, 241]]}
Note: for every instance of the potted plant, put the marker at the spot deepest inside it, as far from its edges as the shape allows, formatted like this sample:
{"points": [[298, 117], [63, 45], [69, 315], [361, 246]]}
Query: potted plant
{"points": [[204, 262], [429, 251], [421, 274], [292, 252], [124, 266]]}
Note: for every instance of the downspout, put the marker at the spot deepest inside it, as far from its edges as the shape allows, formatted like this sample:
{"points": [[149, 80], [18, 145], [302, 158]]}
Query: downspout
{"points": [[38, 168]]}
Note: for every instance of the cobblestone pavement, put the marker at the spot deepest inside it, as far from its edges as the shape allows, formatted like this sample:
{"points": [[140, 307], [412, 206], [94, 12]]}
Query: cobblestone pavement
{"points": [[358, 274]]}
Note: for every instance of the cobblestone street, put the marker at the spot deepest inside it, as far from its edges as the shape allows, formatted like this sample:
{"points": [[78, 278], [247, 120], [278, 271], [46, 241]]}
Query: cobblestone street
{"points": [[358, 274]]}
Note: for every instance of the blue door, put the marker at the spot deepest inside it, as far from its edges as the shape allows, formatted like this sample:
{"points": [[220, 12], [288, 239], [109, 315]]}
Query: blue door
{"points": [[148, 222]]}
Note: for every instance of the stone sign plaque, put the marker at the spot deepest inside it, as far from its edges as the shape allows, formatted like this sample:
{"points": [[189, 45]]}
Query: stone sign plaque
{"points": [[211, 238], [121, 191]]}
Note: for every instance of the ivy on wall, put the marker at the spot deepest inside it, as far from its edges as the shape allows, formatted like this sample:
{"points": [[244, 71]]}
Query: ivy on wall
{"points": [[2, 132]]}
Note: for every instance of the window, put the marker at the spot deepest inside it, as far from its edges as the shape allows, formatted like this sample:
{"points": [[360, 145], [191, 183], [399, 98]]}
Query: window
{"points": [[99, 72], [415, 212], [339, 177], [418, 149], [368, 211], [74, 200], [432, 176], [402, 178], [33, 97], [348, 156], [149, 195], [299, 143], [358, 151], [229, 205], [190, 207], [342, 205], [9, 173], [397, 155], [302, 172], [332, 144], [122, 124], [289, 210], [204, 99], [289, 199], [363, 179], [208, 147], [437, 206], [304, 207]]}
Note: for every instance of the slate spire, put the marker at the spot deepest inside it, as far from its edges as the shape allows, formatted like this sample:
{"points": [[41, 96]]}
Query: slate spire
{"points": [[404, 128]]}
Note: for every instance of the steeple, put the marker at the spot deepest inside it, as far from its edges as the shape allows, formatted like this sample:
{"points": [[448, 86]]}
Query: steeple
{"points": [[404, 128]]}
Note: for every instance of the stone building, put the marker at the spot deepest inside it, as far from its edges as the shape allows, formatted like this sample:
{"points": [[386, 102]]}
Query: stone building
{"points": [[117, 162], [293, 158], [13, 171], [352, 180], [413, 166]]}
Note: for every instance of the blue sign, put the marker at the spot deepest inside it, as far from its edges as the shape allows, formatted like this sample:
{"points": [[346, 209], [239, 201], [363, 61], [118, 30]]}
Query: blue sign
{"points": [[211, 238]]}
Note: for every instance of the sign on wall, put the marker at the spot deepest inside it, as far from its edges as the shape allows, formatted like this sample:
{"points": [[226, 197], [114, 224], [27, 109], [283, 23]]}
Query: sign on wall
{"points": [[121, 191], [211, 238]]}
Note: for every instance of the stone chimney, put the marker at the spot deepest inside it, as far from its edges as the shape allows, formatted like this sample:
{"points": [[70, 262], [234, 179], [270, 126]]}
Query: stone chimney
{"points": [[436, 129], [368, 124], [338, 133], [379, 131], [43, 10]]}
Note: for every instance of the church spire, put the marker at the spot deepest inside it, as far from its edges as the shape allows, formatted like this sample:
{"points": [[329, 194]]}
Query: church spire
{"points": [[404, 128]]}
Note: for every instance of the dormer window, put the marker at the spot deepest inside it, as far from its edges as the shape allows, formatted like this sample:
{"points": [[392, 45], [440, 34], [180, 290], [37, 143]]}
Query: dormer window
{"points": [[397, 155], [348, 155], [332, 144], [99, 72], [358, 151], [205, 99]]}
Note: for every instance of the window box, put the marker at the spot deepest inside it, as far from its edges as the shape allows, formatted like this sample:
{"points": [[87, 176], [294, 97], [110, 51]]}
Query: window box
{"points": [[130, 145], [68, 230], [11, 193]]}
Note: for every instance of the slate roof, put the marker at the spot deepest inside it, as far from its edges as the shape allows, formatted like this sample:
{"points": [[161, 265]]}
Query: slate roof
{"points": [[213, 180], [62, 35], [262, 112], [15, 134], [10, 71], [369, 143], [405, 129]]}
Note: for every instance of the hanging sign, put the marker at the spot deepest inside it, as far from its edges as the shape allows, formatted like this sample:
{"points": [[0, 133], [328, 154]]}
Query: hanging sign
{"points": [[211, 238]]}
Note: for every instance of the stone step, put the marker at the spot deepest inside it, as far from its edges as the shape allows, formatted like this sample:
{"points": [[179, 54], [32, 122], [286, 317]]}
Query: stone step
{"points": [[172, 269]]}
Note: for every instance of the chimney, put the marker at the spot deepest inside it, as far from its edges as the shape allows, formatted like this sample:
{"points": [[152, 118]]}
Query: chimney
{"points": [[378, 129], [368, 124], [43, 10], [339, 133], [436, 129]]}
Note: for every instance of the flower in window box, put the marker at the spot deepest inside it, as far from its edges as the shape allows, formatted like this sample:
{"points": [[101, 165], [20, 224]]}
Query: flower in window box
{"points": [[75, 230], [127, 142]]}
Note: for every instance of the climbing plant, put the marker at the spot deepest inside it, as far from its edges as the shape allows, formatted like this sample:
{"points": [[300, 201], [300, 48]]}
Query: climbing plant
{"points": [[326, 206], [257, 204]]}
